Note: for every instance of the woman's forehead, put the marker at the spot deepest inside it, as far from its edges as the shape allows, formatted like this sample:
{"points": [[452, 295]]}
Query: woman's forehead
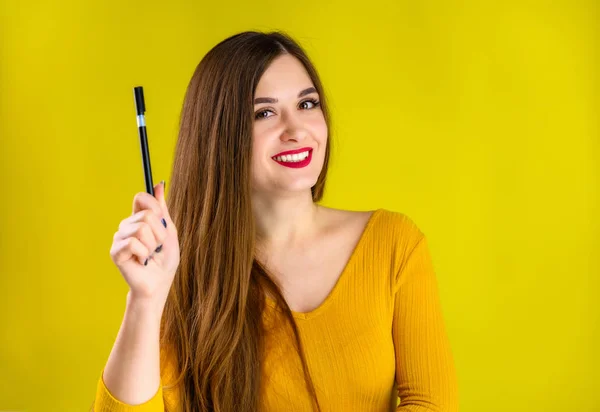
{"points": [[284, 75]]}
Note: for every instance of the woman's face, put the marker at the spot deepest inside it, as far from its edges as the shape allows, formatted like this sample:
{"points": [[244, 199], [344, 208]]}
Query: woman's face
{"points": [[287, 116]]}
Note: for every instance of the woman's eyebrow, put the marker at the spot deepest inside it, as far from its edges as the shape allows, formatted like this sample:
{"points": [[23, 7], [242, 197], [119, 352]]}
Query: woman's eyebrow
{"points": [[272, 100]]}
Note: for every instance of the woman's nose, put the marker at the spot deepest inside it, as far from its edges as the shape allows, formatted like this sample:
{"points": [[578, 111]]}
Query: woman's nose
{"points": [[297, 134], [294, 128]]}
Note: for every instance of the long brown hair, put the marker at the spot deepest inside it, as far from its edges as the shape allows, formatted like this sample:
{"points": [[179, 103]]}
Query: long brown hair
{"points": [[212, 321]]}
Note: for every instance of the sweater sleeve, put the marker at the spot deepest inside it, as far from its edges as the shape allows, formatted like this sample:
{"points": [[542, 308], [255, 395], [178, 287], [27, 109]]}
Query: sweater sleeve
{"points": [[106, 402], [167, 396], [425, 371]]}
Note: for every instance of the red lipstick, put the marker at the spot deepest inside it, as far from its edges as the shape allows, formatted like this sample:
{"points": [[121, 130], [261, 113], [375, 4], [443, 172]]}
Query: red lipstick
{"points": [[291, 152], [295, 165]]}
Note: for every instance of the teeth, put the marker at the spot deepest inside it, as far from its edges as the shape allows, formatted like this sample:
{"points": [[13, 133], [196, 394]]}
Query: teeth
{"points": [[293, 158]]}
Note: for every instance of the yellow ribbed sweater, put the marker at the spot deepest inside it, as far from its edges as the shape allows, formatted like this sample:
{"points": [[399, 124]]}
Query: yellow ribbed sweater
{"points": [[379, 335]]}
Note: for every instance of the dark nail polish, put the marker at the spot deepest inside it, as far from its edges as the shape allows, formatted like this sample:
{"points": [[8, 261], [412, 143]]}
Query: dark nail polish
{"points": [[146, 262], [158, 249], [164, 222]]}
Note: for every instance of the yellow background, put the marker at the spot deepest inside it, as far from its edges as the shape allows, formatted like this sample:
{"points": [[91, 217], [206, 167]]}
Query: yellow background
{"points": [[477, 119]]}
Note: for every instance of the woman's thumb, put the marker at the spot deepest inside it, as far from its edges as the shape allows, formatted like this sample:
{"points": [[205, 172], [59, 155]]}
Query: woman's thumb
{"points": [[159, 194]]}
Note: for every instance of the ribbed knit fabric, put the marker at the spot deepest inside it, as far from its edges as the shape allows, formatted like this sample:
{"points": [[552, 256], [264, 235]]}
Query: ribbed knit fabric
{"points": [[379, 335]]}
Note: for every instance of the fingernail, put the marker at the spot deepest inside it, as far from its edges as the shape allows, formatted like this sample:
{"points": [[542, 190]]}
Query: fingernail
{"points": [[146, 262], [158, 249], [164, 222], [164, 184]]}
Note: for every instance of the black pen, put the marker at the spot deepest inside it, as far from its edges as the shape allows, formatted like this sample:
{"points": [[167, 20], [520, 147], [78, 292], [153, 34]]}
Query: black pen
{"points": [[140, 108]]}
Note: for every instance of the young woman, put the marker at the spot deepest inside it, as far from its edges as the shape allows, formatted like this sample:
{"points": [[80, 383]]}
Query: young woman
{"points": [[258, 298]]}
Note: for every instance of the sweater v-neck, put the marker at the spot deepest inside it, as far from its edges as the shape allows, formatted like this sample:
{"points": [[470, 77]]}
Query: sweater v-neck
{"points": [[315, 312]]}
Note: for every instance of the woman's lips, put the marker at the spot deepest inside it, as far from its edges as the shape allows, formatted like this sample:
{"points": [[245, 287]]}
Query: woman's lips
{"points": [[297, 165]]}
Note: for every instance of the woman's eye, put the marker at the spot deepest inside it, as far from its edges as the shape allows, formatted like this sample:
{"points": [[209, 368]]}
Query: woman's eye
{"points": [[315, 103], [261, 114]]}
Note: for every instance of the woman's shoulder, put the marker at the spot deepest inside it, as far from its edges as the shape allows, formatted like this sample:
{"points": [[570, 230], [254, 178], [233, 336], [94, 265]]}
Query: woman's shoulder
{"points": [[385, 220]]}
